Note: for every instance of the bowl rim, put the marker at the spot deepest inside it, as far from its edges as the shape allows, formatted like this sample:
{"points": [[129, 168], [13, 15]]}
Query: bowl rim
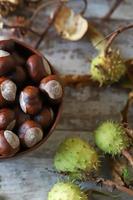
{"points": [[21, 153]]}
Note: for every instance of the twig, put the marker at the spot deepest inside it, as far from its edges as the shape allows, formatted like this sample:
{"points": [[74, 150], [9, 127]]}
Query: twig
{"points": [[124, 114], [129, 132], [109, 184], [115, 34], [85, 7], [22, 28], [43, 5], [113, 185], [128, 156], [112, 9], [50, 23]]}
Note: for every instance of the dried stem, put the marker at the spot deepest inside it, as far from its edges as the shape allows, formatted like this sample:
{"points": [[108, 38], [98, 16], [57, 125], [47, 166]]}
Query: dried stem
{"points": [[109, 184], [124, 114], [73, 80], [112, 9], [128, 156], [115, 34], [42, 6], [50, 23], [85, 7], [129, 132], [21, 28], [113, 185]]}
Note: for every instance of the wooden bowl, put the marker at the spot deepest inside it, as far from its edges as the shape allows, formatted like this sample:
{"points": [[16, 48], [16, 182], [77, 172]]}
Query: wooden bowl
{"points": [[26, 51]]}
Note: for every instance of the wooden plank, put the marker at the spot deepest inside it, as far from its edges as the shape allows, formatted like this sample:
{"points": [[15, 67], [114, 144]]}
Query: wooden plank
{"points": [[26, 177], [85, 108], [73, 57]]}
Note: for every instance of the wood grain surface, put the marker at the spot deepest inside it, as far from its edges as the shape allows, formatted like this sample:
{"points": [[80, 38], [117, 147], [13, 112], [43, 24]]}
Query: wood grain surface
{"points": [[27, 177]]}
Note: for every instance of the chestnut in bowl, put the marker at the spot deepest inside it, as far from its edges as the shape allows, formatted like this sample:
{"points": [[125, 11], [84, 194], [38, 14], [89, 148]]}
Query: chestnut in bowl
{"points": [[31, 96]]}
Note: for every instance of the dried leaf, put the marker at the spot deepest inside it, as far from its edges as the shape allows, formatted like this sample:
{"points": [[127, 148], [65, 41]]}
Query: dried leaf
{"points": [[7, 6], [97, 38], [69, 25]]}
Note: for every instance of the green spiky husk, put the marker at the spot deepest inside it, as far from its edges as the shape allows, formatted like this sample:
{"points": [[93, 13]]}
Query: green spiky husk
{"points": [[66, 191], [108, 69], [76, 157], [111, 138]]}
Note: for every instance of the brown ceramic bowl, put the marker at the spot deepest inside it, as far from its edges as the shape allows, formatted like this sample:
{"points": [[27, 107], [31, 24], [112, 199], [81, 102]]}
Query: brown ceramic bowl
{"points": [[20, 46]]}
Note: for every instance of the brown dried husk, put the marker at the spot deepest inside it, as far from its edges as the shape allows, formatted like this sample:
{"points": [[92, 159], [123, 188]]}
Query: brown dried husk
{"points": [[69, 25], [8, 6]]}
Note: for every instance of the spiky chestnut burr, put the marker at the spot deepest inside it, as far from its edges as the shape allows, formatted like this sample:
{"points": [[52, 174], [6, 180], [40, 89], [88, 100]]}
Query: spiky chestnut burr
{"points": [[111, 138], [66, 191], [107, 69], [76, 157]]}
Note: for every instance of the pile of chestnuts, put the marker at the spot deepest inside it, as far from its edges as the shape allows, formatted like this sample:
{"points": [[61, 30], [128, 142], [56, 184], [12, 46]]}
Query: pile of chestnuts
{"points": [[30, 97]]}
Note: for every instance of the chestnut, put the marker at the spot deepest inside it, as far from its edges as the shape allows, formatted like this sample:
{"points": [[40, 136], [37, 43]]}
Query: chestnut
{"points": [[7, 91], [7, 119], [37, 68], [30, 133], [7, 63], [30, 101], [20, 116], [18, 75], [51, 86], [45, 117], [20, 61], [6, 44], [9, 143]]}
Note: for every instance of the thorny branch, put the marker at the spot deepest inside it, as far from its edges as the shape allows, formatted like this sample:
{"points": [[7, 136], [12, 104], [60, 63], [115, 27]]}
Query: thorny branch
{"points": [[112, 9], [51, 21], [115, 34]]}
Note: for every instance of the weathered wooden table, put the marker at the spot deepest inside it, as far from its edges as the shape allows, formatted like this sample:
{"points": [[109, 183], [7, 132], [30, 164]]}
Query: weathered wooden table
{"points": [[27, 177]]}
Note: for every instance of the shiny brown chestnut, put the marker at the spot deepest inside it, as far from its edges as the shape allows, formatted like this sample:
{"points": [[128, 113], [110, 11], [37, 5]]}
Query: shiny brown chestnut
{"points": [[20, 116], [30, 133], [37, 67], [52, 87], [20, 61], [30, 101], [9, 143], [18, 75], [6, 44], [45, 117], [7, 119], [7, 63], [7, 91]]}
